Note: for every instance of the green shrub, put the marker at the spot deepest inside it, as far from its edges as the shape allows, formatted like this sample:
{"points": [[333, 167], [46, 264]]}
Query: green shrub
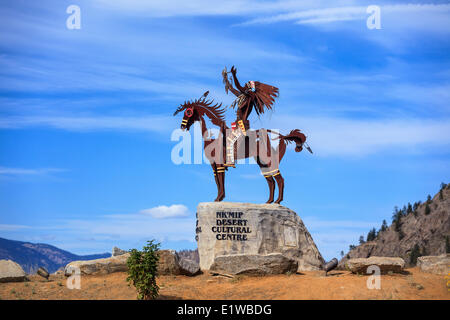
{"points": [[142, 270]]}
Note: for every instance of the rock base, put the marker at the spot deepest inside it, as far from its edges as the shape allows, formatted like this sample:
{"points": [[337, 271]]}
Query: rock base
{"points": [[236, 230], [243, 264]]}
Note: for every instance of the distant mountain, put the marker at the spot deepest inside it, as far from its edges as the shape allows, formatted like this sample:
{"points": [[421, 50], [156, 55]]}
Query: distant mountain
{"points": [[31, 256], [419, 229]]}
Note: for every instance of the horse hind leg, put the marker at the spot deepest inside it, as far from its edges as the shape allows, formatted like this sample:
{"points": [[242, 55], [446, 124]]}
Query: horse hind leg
{"points": [[280, 183], [271, 183]]}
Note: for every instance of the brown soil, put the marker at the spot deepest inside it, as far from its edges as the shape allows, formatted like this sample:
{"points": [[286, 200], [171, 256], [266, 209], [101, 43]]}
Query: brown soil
{"points": [[309, 285]]}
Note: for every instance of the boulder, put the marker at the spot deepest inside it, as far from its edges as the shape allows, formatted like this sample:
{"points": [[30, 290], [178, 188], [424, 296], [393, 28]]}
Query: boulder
{"points": [[189, 267], [435, 264], [228, 228], [256, 264], [386, 264], [117, 252], [43, 272], [11, 272], [169, 263], [98, 266], [60, 271]]}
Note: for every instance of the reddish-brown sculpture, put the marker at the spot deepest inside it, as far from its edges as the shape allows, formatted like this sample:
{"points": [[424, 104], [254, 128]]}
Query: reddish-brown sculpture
{"points": [[240, 142], [253, 95]]}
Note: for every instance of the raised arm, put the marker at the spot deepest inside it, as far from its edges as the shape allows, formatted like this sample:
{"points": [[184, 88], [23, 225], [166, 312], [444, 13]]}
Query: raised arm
{"points": [[228, 85], [236, 81], [235, 92]]}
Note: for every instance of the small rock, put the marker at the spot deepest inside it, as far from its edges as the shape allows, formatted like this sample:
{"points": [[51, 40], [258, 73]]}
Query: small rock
{"points": [[218, 274], [435, 264], [60, 271], [273, 263], [43, 272], [98, 266], [117, 252], [11, 272], [169, 263], [189, 267], [331, 265], [386, 264]]}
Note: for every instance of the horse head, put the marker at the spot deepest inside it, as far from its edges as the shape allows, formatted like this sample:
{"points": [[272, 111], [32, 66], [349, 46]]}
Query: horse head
{"points": [[190, 115], [195, 110]]}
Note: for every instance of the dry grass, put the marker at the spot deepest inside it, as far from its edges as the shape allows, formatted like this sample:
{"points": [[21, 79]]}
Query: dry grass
{"points": [[308, 285]]}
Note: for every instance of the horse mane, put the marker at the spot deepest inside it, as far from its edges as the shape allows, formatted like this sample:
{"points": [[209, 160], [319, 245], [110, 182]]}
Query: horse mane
{"points": [[214, 111]]}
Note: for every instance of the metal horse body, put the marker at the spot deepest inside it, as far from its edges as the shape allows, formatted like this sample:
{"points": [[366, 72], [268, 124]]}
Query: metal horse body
{"points": [[256, 144]]}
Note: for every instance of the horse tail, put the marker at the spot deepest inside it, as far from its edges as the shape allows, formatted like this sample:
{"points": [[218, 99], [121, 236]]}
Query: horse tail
{"points": [[294, 136]]}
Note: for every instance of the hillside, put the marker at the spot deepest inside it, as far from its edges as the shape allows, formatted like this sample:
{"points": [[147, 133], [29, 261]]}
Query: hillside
{"points": [[416, 230], [31, 256]]}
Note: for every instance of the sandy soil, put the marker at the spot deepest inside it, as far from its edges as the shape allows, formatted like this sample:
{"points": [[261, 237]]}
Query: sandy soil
{"points": [[308, 285]]}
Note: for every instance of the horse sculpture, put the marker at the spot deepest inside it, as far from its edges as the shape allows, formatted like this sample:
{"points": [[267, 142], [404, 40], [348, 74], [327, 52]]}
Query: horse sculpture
{"points": [[256, 144]]}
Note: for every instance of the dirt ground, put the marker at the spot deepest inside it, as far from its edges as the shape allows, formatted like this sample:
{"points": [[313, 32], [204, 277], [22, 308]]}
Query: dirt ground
{"points": [[307, 285]]}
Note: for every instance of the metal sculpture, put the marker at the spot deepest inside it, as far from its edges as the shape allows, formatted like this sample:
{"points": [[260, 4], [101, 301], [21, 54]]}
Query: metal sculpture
{"points": [[254, 95], [240, 142]]}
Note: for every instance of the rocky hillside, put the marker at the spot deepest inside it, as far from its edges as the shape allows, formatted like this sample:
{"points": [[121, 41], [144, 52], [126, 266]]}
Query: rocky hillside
{"points": [[31, 256], [416, 230]]}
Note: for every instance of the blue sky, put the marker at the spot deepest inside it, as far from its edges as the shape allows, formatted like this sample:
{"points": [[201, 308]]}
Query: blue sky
{"points": [[86, 115]]}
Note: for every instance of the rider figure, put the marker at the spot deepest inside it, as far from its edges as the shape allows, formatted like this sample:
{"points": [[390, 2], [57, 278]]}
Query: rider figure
{"points": [[254, 94]]}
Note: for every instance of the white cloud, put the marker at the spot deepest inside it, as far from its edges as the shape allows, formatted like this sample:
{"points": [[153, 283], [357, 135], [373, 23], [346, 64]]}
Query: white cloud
{"points": [[144, 123], [169, 8], [423, 95], [327, 15], [20, 171], [327, 136], [13, 227], [401, 24], [320, 15], [360, 137], [161, 212]]}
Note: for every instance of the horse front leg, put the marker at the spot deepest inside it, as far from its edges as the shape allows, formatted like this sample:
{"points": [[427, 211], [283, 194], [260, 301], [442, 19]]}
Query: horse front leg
{"points": [[220, 179], [216, 178]]}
